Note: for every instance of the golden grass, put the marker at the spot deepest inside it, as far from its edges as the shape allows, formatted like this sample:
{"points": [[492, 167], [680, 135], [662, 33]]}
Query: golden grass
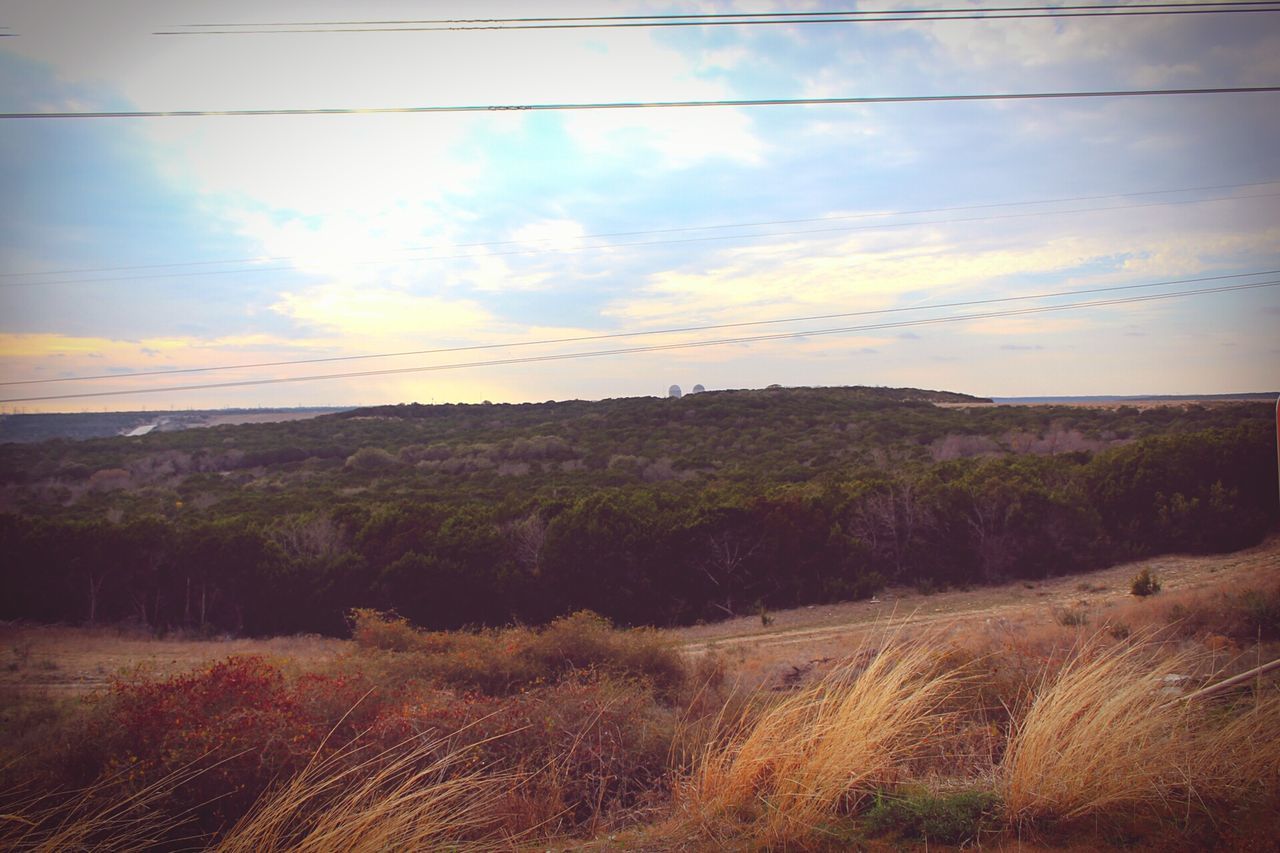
{"points": [[103, 816], [415, 796], [783, 772], [1243, 752], [1104, 738]]}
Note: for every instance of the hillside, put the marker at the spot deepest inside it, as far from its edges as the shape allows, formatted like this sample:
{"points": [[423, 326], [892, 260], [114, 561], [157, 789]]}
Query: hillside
{"points": [[1067, 714], [648, 510]]}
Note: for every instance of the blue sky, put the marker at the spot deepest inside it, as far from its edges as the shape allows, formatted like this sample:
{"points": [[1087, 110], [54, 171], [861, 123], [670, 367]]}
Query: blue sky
{"points": [[353, 235]]}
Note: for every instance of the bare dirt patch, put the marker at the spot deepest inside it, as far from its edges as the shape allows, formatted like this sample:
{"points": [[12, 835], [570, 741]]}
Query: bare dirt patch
{"points": [[71, 660]]}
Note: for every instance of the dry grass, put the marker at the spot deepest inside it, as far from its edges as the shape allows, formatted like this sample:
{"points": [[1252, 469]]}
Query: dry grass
{"points": [[800, 763], [103, 816], [1104, 738], [79, 660], [411, 797]]}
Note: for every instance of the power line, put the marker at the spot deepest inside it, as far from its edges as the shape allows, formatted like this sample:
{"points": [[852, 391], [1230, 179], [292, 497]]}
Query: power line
{"points": [[601, 236], [717, 15], [645, 243], [632, 105], [886, 16], [644, 349], [615, 335]]}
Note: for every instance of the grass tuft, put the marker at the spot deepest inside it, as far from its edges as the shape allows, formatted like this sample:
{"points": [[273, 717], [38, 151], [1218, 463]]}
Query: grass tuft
{"points": [[413, 796], [817, 754], [1106, 739]]}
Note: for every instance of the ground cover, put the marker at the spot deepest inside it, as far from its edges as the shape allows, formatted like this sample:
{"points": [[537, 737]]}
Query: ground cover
{"points": [[986, 717]]}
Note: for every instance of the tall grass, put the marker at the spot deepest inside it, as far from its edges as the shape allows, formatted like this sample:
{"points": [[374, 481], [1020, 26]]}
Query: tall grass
{"points": [[414, 796], [103, 816], [1103, 738], [800, 763]]}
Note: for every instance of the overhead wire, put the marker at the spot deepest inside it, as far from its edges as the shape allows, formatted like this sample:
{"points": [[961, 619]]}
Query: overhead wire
{"points": [[642, 349], [886, 16], [614, 335], [717, 15], [644, 232], [644, 243], [634, 105]]}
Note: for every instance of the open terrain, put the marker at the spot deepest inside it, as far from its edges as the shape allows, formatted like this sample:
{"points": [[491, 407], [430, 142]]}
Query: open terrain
{"points": [[75, 660], [797, 637], [1026, 715]]}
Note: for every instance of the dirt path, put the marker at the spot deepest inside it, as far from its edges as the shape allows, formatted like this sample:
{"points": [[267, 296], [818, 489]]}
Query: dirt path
{"points": [[823, 631]]}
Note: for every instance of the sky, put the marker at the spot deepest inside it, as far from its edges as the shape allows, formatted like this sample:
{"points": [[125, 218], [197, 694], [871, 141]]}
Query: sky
{"points": [[147, 245]]}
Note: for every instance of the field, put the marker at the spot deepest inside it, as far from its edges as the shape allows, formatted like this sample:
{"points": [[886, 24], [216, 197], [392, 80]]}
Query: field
{"points": [[914, 719]]}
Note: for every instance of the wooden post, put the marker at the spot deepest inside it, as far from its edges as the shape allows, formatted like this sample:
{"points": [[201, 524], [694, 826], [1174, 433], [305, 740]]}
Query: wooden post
{"points": [[1221, 686]]}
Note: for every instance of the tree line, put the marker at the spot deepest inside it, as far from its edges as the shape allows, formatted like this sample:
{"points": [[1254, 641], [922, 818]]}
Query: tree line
{"points": [[645, 552]]}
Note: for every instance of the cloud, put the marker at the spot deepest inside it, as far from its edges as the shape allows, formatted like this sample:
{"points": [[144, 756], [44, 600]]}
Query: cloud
{"points": [[678, 139], [370, 315], [1021, 347]]}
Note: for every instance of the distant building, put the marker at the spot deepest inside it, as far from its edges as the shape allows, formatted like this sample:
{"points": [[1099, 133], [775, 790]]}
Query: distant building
{"points": [[674, 391], [697, 389]]}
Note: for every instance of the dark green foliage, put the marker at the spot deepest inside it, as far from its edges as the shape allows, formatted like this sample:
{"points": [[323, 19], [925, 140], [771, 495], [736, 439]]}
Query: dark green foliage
{"points": [[1144, 583], [647, 511], [956, 818]]}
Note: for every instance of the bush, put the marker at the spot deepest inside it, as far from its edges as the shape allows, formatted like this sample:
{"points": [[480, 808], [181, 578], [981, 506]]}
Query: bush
{"points": [[498, 663], [1144, 583], [237, 722], [376, 629], [1071, 617], [371, 459]]}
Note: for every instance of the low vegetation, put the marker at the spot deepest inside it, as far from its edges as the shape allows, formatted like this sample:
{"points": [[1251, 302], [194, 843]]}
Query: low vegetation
{"points": [[592, 735], [1144, 583]]}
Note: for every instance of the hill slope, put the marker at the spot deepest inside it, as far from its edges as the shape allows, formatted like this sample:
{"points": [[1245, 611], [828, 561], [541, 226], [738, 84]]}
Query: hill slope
{"points": [[647, 510]]}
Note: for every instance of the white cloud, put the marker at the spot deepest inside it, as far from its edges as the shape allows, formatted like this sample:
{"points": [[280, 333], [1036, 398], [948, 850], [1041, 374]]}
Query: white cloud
{"points": [[370, 317]]}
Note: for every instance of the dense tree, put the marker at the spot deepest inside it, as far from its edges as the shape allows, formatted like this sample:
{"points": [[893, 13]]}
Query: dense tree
{"points": [[722, 502]]}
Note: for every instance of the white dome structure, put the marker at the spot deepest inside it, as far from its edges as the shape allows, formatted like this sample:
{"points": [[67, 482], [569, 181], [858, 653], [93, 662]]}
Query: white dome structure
{"points": [[674, 391]]}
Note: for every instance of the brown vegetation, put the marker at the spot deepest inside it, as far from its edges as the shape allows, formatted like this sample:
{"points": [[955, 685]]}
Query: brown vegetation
{"points": [[988, 730]]}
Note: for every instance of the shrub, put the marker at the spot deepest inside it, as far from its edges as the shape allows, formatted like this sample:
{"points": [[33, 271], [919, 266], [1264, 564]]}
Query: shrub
{"points": [[238, 722], [587, 641], [1071, 617], [501, 662], [376, 629], [371, 459], [1144, 583]]}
